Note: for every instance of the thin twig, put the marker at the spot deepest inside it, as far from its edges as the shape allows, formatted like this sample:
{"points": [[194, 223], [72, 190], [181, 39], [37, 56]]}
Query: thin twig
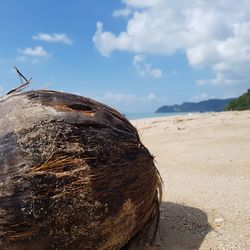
{"points": [[23, 85], [20, 74]]}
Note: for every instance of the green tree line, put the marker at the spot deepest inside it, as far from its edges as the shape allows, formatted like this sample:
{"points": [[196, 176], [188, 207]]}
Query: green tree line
{"points": [[240, 103]]}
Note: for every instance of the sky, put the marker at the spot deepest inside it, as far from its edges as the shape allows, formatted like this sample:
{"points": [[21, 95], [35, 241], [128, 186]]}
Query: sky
{"points": [[134, 55]]}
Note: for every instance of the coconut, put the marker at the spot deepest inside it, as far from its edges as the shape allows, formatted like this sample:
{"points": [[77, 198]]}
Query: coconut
{"points": [[74, 174]]}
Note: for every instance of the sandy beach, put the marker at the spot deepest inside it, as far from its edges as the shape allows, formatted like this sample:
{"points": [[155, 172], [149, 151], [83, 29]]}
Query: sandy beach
{"points": [[204, 161]]}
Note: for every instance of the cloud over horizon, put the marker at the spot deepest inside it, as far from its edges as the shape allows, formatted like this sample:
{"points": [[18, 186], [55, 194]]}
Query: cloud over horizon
{"points": [[212, 34], [200, 97], [119, 99]]}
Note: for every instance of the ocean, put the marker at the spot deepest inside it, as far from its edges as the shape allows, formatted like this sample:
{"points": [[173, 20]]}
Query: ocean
{"points": [[135, 116]]}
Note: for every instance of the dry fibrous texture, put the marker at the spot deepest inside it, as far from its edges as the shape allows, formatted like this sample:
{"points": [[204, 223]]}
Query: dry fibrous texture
{"points": [[73, 175]]}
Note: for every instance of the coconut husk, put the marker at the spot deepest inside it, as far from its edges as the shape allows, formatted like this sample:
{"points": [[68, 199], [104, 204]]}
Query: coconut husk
{"points": [[73, 175]]}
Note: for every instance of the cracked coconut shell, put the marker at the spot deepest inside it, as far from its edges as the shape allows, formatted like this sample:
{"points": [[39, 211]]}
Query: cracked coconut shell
{"points": [[73, 175]]}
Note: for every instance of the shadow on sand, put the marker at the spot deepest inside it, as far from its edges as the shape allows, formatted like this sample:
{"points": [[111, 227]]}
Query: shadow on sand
{"points": [[180, 228]]}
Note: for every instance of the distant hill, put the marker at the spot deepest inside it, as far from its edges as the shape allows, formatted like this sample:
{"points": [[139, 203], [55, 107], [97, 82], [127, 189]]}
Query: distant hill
{"points": [[215, 105], [240, 103]]}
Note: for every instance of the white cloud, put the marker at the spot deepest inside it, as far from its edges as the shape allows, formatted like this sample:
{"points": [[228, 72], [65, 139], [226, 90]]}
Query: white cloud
{"points": [[212, 34], [150, 97], [156, 73], [128, 101], [219, 80], [107, 41], [54, 38], [21, 58], [122, 12], [117, 97], [38, 51], [145, 69], [200, 97], [142, 3]]}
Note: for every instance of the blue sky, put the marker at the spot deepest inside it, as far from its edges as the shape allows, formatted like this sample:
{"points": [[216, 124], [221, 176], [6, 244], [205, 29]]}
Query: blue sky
{"points": [[135, 55]]}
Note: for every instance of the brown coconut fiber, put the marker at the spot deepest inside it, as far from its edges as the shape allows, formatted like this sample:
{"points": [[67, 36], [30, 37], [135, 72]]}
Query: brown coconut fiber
{"points": [[73, 175]]}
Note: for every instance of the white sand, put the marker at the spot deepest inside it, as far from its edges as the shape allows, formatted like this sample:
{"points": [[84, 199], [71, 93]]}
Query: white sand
{"points": [[204, 160]]}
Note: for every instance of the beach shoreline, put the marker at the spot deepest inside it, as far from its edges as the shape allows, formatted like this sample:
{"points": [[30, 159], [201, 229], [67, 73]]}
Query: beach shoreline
{"points": [[204, 162]]}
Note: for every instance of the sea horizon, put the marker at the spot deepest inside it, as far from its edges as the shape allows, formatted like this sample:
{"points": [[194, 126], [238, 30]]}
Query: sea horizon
{"points": [[142, 115]]}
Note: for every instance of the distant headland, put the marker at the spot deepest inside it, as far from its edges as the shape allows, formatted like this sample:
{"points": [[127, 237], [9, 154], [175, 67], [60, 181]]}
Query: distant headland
{"points": [[212, 105]]}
